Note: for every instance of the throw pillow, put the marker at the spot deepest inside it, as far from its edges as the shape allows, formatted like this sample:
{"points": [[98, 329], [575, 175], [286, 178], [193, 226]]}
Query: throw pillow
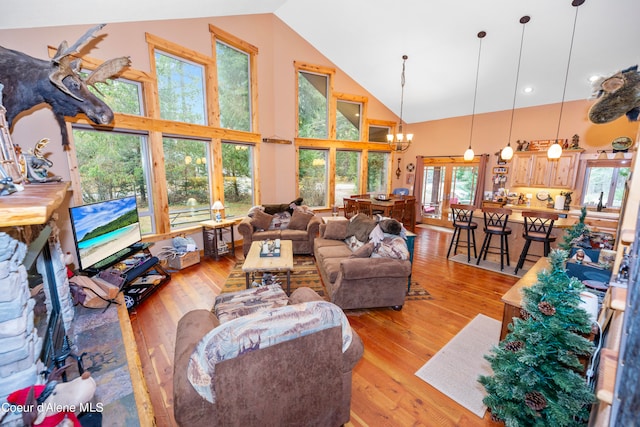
{"points": [[299, 220], [280, 221], [363, 251], [261, 220], [336, 230], [361, 226]]}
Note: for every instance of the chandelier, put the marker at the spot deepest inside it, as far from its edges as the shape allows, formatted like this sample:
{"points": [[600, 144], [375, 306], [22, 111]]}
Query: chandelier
{"points": [[400, 141]]}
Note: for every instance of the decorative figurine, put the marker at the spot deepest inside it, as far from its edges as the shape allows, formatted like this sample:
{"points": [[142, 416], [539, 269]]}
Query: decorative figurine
{"points": [[36, 166]]}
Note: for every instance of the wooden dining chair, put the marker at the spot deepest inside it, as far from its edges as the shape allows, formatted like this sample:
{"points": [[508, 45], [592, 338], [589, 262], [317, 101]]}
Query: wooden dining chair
{"points": [[365, 207], [397, 211], [350, 207], [409, 216]]}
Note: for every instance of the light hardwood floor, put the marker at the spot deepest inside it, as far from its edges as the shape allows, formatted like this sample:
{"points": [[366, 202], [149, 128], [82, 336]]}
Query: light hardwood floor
{"points": [[397, 343]]}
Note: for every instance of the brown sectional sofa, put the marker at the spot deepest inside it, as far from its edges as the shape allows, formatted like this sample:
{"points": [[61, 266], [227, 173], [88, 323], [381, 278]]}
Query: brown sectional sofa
{"points": [[302, 238], [354, 282]]}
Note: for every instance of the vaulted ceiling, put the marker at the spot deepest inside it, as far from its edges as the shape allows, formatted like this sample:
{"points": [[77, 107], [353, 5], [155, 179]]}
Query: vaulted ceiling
{"points": [[367, 38]]}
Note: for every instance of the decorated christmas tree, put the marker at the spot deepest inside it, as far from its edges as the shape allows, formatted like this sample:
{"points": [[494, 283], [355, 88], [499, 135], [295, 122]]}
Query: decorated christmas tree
{"points": [[537, 374], [577, 234]]}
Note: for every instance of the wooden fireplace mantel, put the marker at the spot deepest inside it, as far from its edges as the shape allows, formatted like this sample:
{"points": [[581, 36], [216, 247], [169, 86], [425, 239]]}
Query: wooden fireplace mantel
{"points": [[34, 205]]}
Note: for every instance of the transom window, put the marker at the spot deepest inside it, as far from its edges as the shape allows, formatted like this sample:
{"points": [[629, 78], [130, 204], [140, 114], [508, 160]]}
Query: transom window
{"points": [[348, 120], [233, 87], [313, 105], [181, 89]]}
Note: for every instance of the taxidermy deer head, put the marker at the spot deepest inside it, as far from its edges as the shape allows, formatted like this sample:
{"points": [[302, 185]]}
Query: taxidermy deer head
{"points": [[617, 95], [29, 81]]}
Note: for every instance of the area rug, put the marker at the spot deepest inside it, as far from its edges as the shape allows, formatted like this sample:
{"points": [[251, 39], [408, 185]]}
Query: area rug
{"points": [[305, 274], [454, 370], [489, 265]]}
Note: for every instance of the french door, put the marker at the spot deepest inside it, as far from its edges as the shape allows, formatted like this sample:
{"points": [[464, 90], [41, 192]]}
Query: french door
{"points": [[446, 181]]}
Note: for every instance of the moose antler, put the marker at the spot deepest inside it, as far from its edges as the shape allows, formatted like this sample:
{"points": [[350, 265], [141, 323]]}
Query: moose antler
{"points": [[107, 69], [64, 51], [66, 67]]}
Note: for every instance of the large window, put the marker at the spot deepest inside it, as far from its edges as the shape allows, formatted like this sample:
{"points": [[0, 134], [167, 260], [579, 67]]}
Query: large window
{"points": [[606, 178], [377, 172], [187, 180], [313, 182], [347, 175], [233, 87], [181, 89], [313, 110], [113, 165], [237, 168]]}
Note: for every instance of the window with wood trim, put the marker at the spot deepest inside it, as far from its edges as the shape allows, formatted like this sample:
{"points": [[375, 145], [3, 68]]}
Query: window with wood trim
{"points": [[236, 68], [606, 179]]}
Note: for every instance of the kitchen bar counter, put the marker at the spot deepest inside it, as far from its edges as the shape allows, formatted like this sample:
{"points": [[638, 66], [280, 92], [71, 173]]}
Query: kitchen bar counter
{"points": [[597, 221]]}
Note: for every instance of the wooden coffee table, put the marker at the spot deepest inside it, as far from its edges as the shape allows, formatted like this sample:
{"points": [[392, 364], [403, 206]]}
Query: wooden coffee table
{"points": [[254, 263]]}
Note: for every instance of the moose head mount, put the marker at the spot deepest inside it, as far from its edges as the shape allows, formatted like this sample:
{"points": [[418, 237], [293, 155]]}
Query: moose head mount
{"points": [[617, 95], [30, 81]]}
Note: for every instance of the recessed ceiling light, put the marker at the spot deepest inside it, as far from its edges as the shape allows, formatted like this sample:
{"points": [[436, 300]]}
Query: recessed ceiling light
{"points": [[527, 89]]}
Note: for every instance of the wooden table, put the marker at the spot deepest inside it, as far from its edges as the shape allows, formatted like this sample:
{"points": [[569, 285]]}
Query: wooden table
{"points": [[254, 263], [513, 298]]}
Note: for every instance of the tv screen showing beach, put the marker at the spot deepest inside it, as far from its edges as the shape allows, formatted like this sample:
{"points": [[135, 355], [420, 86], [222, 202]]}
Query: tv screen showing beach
{"points": [[104, 228]]}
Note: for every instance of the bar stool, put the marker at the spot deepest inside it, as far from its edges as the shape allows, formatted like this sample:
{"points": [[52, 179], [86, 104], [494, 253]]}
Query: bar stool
{"points": [[495, 223], [537, 228], [463, 220]]}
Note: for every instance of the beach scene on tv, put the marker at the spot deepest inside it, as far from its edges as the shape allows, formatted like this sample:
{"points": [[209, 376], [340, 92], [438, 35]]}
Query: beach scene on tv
{"points": [[104, 228]]}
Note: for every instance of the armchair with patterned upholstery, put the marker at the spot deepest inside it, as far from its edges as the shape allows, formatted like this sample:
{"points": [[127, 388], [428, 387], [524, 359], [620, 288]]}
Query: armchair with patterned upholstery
{"points": [[283, 365]]}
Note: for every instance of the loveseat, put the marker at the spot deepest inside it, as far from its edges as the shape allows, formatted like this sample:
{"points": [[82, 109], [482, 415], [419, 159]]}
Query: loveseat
{"points": [[361, 271], [303, 380], [286, 221]]}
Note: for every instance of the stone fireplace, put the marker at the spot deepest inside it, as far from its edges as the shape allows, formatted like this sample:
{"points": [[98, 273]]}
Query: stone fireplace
{"points": [[36, 310]]}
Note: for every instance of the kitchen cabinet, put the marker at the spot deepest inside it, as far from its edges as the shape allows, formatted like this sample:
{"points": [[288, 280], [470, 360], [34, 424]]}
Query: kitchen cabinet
{"points": [[535, 169]]}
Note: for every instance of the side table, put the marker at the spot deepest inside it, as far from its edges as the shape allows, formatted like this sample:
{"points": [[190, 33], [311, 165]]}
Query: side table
{"points": [[211, 231]]}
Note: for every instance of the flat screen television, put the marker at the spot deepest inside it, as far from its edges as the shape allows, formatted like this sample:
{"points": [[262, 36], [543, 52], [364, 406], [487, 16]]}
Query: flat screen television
{"points": [[103, 229]]}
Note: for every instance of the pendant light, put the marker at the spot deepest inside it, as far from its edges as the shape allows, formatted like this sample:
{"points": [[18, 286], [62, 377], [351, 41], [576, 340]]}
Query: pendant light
{"points": [[507, 152], [555, 150], [469, 154], [400, 142]]}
